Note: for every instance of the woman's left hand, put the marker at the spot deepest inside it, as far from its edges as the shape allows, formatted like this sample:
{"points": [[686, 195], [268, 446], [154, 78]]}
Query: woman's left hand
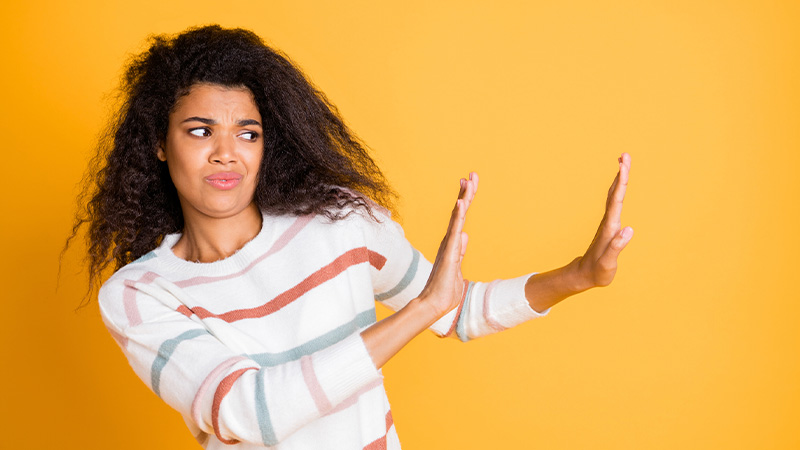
{"points": [[598, 265]]}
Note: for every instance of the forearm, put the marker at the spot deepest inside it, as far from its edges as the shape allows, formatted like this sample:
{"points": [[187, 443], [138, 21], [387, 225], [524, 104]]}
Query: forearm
{"points": [[386, 337], [546, 289]]}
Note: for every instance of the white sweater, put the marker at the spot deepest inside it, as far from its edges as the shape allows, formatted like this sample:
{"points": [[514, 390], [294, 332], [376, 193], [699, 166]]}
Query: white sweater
{"points": [[264, 349]]}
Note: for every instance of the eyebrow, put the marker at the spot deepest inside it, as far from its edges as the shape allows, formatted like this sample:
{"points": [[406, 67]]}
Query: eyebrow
{"points": [[241, 123]]}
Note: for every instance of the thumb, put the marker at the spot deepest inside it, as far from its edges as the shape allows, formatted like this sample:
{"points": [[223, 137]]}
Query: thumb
{"points": [[464, 240], [609, 258]]}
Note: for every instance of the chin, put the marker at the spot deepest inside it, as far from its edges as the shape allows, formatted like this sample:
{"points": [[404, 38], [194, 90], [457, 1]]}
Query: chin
{"points": [[224, 211]]}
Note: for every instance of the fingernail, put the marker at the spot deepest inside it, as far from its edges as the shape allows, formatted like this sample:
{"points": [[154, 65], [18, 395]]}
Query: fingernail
{"points": [[462, 182]]}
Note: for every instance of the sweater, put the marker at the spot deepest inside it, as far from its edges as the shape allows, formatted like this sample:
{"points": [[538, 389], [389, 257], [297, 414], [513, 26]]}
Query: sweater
{"points": [[263, 348]]}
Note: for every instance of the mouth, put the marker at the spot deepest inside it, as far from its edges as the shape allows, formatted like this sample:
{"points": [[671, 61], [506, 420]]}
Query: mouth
{"points": [[224, 180]]}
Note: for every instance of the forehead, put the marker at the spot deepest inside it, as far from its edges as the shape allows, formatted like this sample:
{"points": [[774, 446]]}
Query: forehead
{"points": [[214, 100]]}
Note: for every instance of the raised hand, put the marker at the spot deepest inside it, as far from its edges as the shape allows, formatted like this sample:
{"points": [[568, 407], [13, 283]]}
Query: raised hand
{"points": [[445, 285], [598, 265], [441, 294]]}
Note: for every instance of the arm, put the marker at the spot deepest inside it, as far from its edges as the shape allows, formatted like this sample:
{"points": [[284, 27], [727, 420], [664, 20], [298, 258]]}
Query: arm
{"points": [[445, 303], [488, 308], [441, 294], [598, 265], [215, 384]]}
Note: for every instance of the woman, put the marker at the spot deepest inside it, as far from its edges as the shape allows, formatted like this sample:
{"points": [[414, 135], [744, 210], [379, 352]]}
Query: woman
{"points": [[252, 236]]}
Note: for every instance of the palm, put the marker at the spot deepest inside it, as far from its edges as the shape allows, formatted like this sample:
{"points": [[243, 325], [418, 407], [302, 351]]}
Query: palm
{"points": [[599, 264], [445, 284]]}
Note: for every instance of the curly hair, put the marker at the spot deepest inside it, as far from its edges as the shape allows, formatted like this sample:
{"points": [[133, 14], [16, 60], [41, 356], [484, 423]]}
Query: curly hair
{"points": [[312, 162]]}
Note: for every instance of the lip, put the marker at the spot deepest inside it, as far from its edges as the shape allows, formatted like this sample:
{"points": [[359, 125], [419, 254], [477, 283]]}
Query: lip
{"points": [[224, 180]]}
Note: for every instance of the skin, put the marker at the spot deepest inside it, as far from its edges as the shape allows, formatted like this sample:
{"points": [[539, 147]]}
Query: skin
{"points": [[597, 267], [219, 222], [214, 129], [442, 293]]}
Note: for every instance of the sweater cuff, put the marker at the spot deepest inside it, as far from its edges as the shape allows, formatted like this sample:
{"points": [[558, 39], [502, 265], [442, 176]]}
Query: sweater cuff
{"points": [[509, 305], [344, 368]]}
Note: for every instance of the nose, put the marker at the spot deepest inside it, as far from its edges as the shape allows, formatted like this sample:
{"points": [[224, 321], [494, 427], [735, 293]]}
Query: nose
{"points": [[224, 151]]}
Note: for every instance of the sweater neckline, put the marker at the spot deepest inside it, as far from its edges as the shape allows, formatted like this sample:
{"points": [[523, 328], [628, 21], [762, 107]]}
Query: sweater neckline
{"points": [[233, 263]]}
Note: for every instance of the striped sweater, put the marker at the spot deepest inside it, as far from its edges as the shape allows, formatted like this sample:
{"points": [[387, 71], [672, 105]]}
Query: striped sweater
{"points": [[263, 348]]}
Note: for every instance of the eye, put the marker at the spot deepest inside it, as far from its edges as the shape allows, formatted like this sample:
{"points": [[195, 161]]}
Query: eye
{"points": [[250, 135], [200, 132]]}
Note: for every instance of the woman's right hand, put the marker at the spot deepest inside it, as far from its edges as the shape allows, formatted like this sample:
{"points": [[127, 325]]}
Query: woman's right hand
{"points": [[445, 285], [440, 295]]}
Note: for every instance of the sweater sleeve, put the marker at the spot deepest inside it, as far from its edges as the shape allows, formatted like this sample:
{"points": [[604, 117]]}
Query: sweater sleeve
{"points": [[484, 309], [219, 388]]}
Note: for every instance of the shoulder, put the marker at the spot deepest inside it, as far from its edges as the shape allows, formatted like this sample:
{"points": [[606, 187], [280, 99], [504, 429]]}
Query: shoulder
{"points": [[375, 223], [111, 296]]}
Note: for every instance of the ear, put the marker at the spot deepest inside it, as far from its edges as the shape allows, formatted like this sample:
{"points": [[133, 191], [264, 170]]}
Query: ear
{"points": [[160, 152]]}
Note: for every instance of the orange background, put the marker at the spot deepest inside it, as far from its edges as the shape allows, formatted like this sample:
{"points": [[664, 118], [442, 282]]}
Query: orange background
{"points": [[694, 345]]}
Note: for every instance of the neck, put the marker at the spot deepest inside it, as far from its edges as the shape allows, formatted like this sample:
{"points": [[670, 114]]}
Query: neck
{"points": [[207, 239]]}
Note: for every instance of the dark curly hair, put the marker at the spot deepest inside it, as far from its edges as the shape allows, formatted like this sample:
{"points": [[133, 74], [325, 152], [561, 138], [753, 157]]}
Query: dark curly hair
{"points": [[312, 162]]}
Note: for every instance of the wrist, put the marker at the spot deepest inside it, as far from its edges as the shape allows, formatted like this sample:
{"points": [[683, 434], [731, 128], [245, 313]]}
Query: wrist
{"points": [[544, 290], [578, 278], [421, 313]]}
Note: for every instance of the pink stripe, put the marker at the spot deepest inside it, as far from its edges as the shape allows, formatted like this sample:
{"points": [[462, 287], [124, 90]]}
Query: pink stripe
{"points": [[486, 314], [129, 298], [223, 388], [377, 444], [343, 262], [380, 443], [353, 399], [321, 400], [183, 309], [129, 292], [279, 244], [204, 387]]}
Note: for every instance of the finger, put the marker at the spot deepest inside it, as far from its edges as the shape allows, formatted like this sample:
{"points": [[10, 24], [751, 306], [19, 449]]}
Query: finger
{"points": [[625, 167], [462, 188], [611, 190], [463, 249], [458, 215], [473, 179], [468, 191], [470, 188], [452, 242], [608, 260], [617, 195], [453, 217]]}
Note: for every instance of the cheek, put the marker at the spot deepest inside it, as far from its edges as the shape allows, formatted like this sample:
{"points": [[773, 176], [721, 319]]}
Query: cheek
{"points": [[253, 162], [177, 167], [183, 171]]}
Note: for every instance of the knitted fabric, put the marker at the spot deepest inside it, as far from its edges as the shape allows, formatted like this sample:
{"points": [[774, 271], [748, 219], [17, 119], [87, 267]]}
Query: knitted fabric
{"points": [[263, 348]]}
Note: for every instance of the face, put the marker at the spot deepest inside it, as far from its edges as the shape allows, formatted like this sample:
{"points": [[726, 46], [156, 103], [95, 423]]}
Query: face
{"points": [[213, 149]]}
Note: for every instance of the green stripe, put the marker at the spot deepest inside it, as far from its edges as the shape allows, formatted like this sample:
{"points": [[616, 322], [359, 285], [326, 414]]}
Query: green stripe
{"points": [[461, 326], [273, 359], [145, 257], [407, 278], [326, 340], [262, 413], [166, 350]]}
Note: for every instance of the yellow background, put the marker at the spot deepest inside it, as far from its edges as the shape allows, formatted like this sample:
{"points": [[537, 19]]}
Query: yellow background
{"points": [[694, 345]]}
